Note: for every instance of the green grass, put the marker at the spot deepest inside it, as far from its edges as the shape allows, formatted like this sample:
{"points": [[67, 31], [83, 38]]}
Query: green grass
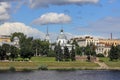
{"points": [[69, 64], [40, 59], [48, 61], [110, 63]]}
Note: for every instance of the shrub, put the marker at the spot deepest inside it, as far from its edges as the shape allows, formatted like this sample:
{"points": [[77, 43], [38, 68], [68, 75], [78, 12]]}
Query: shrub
{"points": [[12, 69], [100, 55], [43, 67]]}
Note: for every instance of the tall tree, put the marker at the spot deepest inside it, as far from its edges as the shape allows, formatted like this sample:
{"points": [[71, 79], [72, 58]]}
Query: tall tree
{"points": [[6, 49], [66, 54], [90, 50], [36, 46], [2, 53], [45, 47], [26, 53], [78, 50], [87, 50], [73, 54], [13, 52], [26, 50], [75, 43], [58, 52], [114, 53]]}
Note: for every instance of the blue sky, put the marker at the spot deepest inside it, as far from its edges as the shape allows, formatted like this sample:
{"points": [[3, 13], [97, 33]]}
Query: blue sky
{"points": [[93, 17]]}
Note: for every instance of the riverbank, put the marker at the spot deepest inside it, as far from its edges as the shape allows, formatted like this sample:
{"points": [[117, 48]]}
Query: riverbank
{"points": [[49, 63], [54, 68]]}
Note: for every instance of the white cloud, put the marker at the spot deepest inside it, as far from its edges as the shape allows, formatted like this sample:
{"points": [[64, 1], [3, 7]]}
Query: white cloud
{"points": [[52, 18], [4, 11], [47, 3], [8, 28]]}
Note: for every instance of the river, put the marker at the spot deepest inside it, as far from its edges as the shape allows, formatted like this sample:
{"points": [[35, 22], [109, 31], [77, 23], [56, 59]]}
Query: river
{"points": [[62, 75]]}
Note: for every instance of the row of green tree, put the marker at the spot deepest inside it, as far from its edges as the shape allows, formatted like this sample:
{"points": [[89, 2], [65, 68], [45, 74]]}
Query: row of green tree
{"points": [[28, 47], [63, 54], [88, 50]]}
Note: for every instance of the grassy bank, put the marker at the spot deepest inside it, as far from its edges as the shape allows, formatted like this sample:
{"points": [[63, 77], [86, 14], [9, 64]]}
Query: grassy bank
{"points": [[111, 64], [49, 62]]}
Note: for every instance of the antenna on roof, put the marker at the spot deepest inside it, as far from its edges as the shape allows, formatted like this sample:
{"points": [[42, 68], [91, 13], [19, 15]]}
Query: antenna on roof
{"points": [[111, 36], [47, 30]]}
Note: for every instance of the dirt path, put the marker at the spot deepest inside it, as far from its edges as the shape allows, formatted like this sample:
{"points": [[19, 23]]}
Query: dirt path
{"points": [[101, 64]]}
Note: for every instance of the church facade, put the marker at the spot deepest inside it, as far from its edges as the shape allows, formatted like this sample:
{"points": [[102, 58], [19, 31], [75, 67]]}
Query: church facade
{"points": [[62, 40]]}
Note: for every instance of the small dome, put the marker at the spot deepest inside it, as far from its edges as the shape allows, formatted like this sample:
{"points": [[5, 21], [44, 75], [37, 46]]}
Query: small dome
{"points": [[16, 38], [61, 35]]}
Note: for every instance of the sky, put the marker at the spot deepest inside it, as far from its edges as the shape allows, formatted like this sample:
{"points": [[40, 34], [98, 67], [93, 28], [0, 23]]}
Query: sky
{"points": [[77, 17]]}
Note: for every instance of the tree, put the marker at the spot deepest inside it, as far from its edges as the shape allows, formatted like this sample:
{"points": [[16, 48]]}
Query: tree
{"points": [[2, 53], [66, 54], [78, 50], [90, 50], [13, 52], [36, 46], [58, 52], [73, 54], [114, 53], [87, 50], [93, 48], [45, 47], [75, 43], [118, 49], [6, 49], [26, 50], [26, 53]]}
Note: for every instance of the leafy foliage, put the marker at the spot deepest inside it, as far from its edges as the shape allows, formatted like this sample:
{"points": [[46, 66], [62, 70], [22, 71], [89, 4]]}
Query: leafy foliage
{"points": [[78, 50], [66, 54], [114, 53], [73, 54], [90, 50], [100, 55], [14, 52], [2, 53], [58, 52]]}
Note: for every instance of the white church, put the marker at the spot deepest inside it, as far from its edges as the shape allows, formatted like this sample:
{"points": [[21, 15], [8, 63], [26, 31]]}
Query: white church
{"points": [[62, 40]]}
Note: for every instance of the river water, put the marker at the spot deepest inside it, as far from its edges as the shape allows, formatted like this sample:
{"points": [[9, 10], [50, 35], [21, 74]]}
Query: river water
{"points": [[62, 75]]}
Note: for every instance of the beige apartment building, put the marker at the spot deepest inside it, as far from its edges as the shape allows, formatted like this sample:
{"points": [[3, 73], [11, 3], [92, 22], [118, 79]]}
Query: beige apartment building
{"points": [[5, 38], [103, 46]]}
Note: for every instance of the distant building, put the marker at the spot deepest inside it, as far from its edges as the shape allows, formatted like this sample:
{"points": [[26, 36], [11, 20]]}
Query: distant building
{"points": [[110, 41], [5, 39], [87, 40], [104, 45], [62, 40], [102, 48], [16, 42]]}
